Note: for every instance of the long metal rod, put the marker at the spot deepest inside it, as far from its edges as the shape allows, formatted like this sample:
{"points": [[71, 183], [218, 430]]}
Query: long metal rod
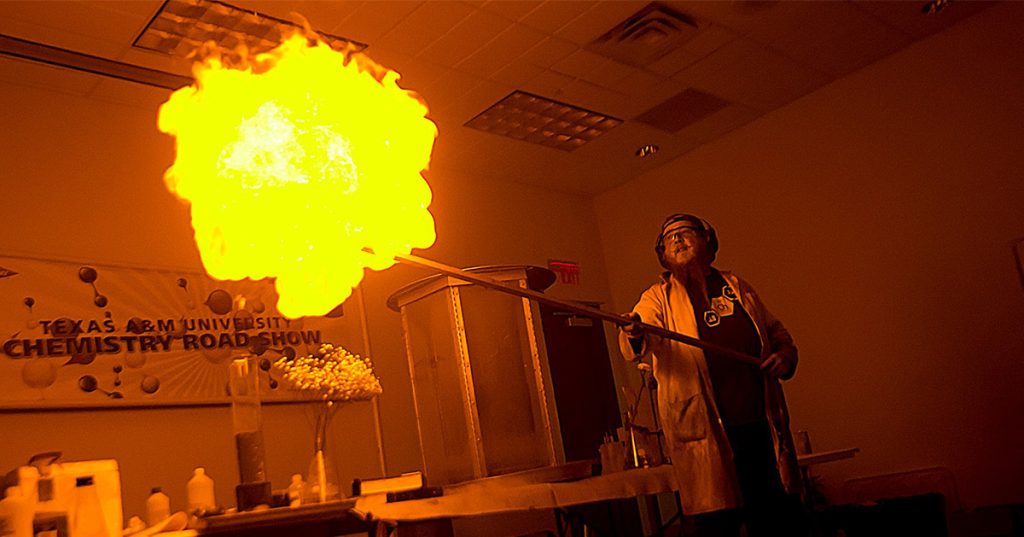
{"points": [[562, 305]]}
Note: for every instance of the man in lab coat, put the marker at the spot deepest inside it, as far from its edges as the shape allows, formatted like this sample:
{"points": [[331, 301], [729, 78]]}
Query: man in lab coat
{"points": [[725, 421]]}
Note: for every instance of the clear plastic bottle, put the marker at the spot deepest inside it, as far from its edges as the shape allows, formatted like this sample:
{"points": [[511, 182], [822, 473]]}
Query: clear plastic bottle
{"points": [[200, 492], [158, 507], [15, 514]]}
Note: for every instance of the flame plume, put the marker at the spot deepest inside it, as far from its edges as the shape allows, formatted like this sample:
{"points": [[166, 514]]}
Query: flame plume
{"points": [[294, 162]]}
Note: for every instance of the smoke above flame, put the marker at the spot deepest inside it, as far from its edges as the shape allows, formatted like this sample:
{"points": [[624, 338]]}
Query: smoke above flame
{"points": [[296, 160]]}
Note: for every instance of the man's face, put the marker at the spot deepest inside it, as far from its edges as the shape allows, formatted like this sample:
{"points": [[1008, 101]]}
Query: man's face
{"points": [[686, 245]]}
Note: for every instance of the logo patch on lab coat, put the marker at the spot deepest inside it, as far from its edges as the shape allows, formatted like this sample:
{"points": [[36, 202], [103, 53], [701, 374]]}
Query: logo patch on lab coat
{"points": [[722, 306], [711, 318]]}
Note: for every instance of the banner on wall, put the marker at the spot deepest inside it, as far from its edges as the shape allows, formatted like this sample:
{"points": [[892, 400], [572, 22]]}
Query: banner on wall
{"points": [[95, 335]]}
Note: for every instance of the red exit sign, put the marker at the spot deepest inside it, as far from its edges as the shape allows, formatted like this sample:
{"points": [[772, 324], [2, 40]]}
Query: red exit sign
{"points": [[568, 271]]}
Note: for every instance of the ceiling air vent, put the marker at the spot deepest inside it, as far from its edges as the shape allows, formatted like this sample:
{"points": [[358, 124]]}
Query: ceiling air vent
{"points": [[535, 119], [685, 108], [647, 35]]}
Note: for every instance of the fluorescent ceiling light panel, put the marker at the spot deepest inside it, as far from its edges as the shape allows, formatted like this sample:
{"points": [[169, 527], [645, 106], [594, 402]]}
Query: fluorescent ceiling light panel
{"points": [[183, 26], [532, 118]]}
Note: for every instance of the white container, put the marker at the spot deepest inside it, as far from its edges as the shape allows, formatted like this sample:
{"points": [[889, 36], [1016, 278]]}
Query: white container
{"points": [[200, 492], [86, 511], [158, 507], [15, 514], [60, 479], [28, 480], [295, 491]]}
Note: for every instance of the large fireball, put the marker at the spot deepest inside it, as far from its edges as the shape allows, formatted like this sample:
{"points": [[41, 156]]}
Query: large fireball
{"points": [[296, 162]]}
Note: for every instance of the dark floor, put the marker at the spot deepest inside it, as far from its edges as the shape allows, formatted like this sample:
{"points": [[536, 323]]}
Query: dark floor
{"points": [[920, 516]]}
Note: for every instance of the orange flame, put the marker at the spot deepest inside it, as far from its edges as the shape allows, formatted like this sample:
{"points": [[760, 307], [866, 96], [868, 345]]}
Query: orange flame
{"points": [[295, 163]]}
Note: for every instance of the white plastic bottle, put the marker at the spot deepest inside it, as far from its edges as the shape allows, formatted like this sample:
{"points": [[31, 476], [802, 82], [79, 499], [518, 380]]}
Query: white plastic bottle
{"points": [[28, 479], [15, 514], [200, 492], [158, 507], [295, 491], [86, 511]]}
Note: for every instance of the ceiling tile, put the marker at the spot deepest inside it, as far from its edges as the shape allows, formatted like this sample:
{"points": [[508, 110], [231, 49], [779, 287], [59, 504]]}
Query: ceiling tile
{"points": [[39, 75], [682, 110], [136, 8], [372, 20], [517, 73], [389, 58], [446, 90], [502, 158], [595, 98], [907, 17], [322, 16], [746, 73], [71, 26], [415, 73], [511, 9], [611, 159], [739, 17], [715, 125], [549, 51], [653, 95], [506, 47], [610, 72], [709, 38], [579, 64], [799, 20], [833, 37], [138, 96], [424, 26], [549, 84], [637, 83], [554, 14], [475, 31], [156, 60], [480, 98], [596, 21]]}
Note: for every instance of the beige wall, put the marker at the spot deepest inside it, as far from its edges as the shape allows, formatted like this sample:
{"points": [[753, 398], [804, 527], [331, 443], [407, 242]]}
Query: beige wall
{"points": [[875, 217], [82, 165]]}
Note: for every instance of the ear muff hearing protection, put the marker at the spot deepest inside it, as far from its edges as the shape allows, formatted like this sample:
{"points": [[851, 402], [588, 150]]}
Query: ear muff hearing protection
{"points": [[699, 223]]}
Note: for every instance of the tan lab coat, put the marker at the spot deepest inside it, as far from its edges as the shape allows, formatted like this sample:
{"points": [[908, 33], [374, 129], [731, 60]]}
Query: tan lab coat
{"points": [[700, 451]]}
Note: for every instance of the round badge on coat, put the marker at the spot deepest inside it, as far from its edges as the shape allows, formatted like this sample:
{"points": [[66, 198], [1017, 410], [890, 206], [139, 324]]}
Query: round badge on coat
{"points": [[711, 318], [722, 306]]}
